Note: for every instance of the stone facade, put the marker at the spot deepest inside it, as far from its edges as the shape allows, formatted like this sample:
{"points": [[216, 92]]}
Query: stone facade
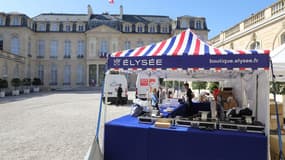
{"points": [[263, 30], [70, 50]]}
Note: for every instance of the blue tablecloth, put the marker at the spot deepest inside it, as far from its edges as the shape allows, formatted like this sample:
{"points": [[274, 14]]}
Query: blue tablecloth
{"points": [[126, 139]]}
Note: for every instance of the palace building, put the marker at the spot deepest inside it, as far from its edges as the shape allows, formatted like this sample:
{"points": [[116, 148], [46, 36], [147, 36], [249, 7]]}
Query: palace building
{"points": [[262, 30], [70, 50]]}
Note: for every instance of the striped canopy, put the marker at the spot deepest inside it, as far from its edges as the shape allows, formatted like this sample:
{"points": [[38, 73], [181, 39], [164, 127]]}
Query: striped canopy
{"points": [[187, 51]]}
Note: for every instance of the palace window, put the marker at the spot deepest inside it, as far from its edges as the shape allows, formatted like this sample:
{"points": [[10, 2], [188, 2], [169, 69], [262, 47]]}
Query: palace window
{"points": [[41, 48], [41, 27], [127, 27], [1, 21], [140, 43], [53, 48], [54, 27], [53, 74], [15, 45], [255, 45], [103, 49], [164, 28], [140, 27], [184, 24], [80, 74], [80, 48], [152, 28], [67, 28], [127, 45], [67, 49], [198, 25], [67, 75], [16, 21], [41, 72]]}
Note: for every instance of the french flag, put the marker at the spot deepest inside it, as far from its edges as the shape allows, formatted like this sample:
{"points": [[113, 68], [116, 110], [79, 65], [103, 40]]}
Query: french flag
{"points": [[111, 1]]}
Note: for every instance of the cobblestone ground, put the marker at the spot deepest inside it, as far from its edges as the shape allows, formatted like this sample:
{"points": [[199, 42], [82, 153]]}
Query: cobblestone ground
{"points": [[51, 125]]}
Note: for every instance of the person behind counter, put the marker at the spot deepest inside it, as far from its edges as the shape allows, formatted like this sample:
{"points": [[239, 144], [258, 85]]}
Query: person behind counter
{"points": [[119, 100], [188, 100], [154, 99]]}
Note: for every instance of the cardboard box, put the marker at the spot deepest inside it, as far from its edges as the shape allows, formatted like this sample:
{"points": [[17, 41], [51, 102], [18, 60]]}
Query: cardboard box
{"points": [[273, 121], [274, 146], [272, 108]]}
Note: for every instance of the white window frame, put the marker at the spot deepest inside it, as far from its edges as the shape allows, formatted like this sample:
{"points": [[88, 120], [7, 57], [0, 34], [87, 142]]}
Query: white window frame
{"points": [[54, 27], [53, 48], [127, 45], [80, 47], [80, 74], [53, 73], [41, 48], [15, 45], [67, 74], [67, 48]]}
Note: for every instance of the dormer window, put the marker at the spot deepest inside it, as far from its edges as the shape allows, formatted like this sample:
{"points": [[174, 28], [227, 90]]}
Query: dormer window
{"points": [[164, 28], [80, 28], [140, 28], [152, 28], [184, 24], [198, 25], [67, 28], [41, 27], [1, 21], [54, 27], [16, 20], [127, 27]]}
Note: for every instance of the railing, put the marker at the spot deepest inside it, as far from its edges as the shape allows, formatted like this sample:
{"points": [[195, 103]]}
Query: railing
{"points": [[254, 19], [11, 56], [231, 31], [277, 8]]}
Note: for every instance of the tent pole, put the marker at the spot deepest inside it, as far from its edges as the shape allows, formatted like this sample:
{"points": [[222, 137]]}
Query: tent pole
{"points": [[256, 96]]}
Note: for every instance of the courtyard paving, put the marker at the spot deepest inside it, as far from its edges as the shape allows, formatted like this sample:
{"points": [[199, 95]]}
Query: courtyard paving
{"points": [[51, 125]]}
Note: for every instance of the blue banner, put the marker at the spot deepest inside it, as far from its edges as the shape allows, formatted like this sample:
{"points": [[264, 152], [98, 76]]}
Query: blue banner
{"points": [[229, 61]]}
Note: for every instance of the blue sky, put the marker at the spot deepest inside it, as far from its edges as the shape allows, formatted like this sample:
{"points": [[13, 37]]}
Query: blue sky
{"points": [[219, 14]]}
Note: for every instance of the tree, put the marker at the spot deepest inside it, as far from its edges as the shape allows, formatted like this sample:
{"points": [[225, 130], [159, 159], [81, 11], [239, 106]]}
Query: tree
{"points": [[199, 85], [37, 82], [26, 82], [3, 84], [16, 82], [279, 86]]}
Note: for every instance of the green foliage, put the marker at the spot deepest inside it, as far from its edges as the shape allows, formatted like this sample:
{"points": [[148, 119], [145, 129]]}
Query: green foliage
{"points": [[16, 82], [199, 85], [3, 84], [280, 87], [213, 85], [37, 82], [26, 81]]}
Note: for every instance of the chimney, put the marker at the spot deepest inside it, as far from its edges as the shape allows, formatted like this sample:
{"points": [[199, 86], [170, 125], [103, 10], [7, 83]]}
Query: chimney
{"points": [[121, 12], [90, 12]]}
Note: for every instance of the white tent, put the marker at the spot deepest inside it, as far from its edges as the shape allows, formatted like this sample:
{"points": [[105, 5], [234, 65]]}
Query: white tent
{"points": [[278, 59]]}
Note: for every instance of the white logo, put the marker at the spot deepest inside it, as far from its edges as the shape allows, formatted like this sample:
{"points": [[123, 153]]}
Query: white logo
{"points": [[117, 62]]}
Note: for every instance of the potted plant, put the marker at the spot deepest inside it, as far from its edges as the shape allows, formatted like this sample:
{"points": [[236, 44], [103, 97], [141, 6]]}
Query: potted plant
{"points": [[3, 86], [16, 83], [36, 83], [27, 83]]}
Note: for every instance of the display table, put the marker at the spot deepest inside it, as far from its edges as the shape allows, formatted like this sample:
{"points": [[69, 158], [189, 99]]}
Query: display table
{"points": [[126, 139]]}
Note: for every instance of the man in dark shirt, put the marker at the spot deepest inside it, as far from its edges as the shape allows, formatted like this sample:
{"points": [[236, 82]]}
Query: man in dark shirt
{"points": [[119, 95], [189, 93]]}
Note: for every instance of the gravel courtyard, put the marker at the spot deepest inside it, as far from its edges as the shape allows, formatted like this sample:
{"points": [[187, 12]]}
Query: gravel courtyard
{"points": [[51, 125]]}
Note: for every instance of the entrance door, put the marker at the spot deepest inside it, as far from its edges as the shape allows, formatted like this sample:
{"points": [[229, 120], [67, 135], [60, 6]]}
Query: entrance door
{"points": [[92, 75]]}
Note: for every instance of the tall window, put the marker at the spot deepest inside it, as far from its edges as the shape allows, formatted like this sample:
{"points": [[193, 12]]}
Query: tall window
{"points": [[53, 48], [198, 25], [5, 70], [127, 45], [29, 48], [80, 74], [67, 75], [255, 45], [1, 43], [67, 48], [41, 48], [282, 38], [53, 74], [1, 21], [16, 71], [80, 48], [28, 73], [16, 20], [41, 72], [103, 48], [54, 27], [15, 45], [140, 43]]}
